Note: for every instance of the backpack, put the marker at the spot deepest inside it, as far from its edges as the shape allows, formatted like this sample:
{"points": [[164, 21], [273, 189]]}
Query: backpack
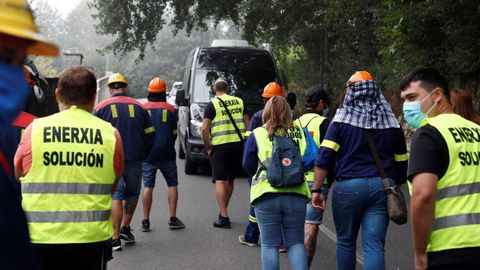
{"points": [[311, 152], [286, 168]]}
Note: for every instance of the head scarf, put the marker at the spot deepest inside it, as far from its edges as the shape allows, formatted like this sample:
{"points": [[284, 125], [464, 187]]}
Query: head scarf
{"points": [[364, 106]]}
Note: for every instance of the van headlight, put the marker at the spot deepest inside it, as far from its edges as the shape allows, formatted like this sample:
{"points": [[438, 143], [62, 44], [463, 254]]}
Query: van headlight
{"points": [[196, 128], [196, 116]]}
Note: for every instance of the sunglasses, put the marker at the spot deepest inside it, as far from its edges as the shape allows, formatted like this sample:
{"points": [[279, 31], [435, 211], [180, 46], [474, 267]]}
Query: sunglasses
{"points": [[348, 84], [117, 85]]}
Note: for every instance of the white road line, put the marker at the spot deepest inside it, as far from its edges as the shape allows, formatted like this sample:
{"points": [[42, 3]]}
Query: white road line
{"points": [[333, 237]]}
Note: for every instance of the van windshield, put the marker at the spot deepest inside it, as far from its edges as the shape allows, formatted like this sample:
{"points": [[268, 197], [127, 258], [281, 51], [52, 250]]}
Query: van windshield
{"points": [[246, 70]]}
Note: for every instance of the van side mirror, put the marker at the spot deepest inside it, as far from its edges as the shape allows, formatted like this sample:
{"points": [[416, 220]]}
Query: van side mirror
{"points": [[180, 98]]}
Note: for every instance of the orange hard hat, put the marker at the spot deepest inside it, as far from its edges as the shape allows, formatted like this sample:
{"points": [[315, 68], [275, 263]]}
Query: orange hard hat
{"points": [[359, 76], [157, 85], [272, 89]]}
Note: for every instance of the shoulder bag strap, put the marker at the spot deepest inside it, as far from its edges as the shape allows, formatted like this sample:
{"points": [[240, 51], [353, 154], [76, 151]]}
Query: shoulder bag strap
{"points": [[376, 157], [311, 120], [231, 119]]}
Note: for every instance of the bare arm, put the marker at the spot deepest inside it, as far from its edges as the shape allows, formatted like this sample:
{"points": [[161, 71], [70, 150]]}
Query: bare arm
{"points": [[422, 206], [18, 173], [318, 200], [118, 163], [206, 123], [246, 120]]}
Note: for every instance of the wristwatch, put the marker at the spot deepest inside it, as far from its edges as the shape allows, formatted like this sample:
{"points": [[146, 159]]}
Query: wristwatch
{"points": [[318, 190]]}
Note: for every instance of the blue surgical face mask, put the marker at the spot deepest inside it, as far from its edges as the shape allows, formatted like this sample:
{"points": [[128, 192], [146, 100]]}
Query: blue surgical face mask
{"points": [[13, 93], [412, 112]]}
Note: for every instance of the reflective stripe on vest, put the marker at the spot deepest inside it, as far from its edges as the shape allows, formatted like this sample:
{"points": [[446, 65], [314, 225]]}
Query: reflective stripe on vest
{"points": [[312, 122], [69, 216], [457, 206], [260, 184], [66, 188], [67, 191], [222, 129]]}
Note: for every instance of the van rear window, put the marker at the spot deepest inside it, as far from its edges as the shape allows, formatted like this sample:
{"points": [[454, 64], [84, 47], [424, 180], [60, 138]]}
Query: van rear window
{"points": [[246, 70]]}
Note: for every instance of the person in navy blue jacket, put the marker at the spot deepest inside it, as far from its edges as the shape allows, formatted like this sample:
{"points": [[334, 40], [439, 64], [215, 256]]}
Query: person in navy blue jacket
{"points": [[359, 200], [133, 123], [162, 156]]}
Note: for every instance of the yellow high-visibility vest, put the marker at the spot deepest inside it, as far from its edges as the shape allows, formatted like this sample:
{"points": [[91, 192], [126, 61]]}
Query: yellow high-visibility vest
{"points": [[457, 205], [222, 129], [260, 183], [67, 191]]}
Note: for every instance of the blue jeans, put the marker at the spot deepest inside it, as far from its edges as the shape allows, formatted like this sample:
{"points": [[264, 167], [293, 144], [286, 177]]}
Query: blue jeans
{"points": [[360, 202], [279, 215]]}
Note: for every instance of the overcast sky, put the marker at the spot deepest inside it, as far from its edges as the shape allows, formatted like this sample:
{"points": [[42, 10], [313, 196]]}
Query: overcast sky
{"points": [[63, 6]]}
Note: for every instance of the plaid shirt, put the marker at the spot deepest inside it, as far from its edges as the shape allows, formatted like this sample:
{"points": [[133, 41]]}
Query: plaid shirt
{"points": [[364, 106]]}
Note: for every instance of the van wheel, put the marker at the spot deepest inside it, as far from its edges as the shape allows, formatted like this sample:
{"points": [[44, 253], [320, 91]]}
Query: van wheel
{"points": [[181, 152], [190, 167]]}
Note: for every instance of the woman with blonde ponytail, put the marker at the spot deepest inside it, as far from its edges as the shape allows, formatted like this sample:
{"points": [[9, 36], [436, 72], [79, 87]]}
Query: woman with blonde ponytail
{"points": [[280, 210]]}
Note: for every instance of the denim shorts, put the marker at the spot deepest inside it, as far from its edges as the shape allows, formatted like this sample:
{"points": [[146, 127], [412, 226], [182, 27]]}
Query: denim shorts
{"points": [[315, 216], [130, 182], [168, 169]]}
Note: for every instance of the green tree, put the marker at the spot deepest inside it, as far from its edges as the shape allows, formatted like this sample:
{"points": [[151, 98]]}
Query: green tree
{"points": [[77, 34]]}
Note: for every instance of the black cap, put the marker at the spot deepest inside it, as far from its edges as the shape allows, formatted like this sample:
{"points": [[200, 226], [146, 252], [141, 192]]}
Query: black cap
{"points": [[315, 94]]}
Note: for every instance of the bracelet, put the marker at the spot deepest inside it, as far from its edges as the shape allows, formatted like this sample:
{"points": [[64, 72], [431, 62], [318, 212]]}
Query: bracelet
{"points": [[318, 190]]}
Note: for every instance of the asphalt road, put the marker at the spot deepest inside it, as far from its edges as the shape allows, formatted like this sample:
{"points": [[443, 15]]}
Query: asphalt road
{"points": [[201, 246]]}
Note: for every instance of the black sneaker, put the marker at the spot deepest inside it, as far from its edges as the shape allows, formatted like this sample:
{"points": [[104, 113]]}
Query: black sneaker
{"points": [[126, 234], [145, 225], [116, 244], [222, 222], [174, 223]]}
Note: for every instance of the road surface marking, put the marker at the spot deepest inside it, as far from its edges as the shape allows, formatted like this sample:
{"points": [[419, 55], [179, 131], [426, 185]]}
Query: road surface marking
{"points": [[333, 237]]}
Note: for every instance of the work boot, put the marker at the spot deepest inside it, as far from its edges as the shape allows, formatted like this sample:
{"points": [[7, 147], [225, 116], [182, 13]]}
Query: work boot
{"points": [[222, 222], [174, 223], [126, 234], [145, 225]]}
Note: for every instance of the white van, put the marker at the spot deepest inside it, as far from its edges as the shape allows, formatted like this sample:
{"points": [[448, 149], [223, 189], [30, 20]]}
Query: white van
{"points": [[247, 71]]}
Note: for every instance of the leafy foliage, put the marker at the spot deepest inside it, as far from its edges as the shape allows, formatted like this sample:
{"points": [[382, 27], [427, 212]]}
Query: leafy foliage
{"points": [[76, 34], [387, 37]]}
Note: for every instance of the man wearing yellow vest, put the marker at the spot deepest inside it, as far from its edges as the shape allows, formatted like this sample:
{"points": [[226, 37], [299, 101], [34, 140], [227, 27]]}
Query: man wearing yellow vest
{"points": [[222, 135], [444, 168], [316, 108], [68, 165]]}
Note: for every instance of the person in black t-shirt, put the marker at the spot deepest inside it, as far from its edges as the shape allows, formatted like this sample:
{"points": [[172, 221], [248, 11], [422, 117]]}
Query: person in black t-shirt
{"points": [[223, 128], [445, 175]]}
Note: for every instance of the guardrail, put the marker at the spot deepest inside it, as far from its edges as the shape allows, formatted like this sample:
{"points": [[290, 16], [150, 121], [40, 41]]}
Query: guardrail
{"points": [[102, 89]]}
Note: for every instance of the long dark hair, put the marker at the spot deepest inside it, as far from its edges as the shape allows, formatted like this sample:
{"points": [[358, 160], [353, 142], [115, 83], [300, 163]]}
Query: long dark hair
{"points": [[463, 105]]}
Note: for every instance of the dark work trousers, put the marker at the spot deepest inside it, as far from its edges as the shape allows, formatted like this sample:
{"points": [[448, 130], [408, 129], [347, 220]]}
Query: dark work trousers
{"points": [[92, 256]]}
